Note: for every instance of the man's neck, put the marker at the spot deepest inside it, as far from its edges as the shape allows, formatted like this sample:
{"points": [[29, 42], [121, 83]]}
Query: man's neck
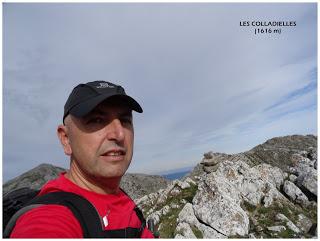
{"points": [[109, 186]]}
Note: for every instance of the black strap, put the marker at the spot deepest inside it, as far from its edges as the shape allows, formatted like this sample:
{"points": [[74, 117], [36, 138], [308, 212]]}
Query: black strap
{"points": [[123, 233], [81, 208], [140, 216], [128, 232], [85, 213], [14, 201]]}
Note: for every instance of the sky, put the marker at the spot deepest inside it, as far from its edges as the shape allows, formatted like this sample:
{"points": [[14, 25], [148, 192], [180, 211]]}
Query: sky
{"points": [[205, 83]]}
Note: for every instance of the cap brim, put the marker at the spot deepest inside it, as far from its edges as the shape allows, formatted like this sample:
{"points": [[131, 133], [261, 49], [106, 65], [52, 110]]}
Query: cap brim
{"points": [[85, 107]]}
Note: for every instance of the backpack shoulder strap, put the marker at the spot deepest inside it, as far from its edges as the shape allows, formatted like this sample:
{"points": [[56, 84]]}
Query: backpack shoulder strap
{"points": [[14, 201], [140, 216], [12, 222], [81, 208]]}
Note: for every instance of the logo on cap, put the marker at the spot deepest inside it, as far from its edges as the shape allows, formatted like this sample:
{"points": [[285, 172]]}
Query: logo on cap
{"points": [[104, 85]]}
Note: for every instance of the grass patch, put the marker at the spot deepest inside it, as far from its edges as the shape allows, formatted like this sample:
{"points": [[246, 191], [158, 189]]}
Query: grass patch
{"points": [[169, 221], [248, 206], [186, 194], [288, 233], [264, 210], [310, 213], [265, 222], [253, 160], [196, 231], [266, 217]]}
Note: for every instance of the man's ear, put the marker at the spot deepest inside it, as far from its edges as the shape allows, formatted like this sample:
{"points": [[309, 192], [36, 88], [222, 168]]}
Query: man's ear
{"points": [[62, 133]]}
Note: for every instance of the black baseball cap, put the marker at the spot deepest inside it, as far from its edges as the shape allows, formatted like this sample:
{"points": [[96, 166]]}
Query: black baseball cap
{"points": [[85, 97]]}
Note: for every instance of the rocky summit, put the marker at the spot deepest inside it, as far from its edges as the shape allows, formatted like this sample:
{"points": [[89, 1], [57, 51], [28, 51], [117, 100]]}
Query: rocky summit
{"points": [[269, 191]]}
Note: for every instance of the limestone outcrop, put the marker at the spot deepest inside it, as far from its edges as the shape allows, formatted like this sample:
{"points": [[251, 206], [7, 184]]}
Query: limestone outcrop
{"points": [[267, 192]]}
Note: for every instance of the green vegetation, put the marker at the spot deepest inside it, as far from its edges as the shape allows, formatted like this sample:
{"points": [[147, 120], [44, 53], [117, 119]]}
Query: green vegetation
{"points": [[288, 233], [266, 217], [248, 206], [254, 160], [169, 221], [186, 194], [196, 232], [263, 210]]}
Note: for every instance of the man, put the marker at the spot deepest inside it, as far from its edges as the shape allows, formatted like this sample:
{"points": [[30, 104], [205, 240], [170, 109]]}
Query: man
{"points": [[98, 136]]}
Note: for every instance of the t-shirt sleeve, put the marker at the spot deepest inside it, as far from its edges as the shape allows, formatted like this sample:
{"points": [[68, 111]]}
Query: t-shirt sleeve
{"points": [[47, 221]]}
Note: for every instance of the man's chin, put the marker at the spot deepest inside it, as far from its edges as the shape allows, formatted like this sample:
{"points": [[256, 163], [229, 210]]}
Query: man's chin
{"points": [[112, 174]]}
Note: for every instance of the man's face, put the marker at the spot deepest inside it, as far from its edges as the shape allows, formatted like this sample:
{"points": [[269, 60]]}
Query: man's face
{"points": [[101, 143]]}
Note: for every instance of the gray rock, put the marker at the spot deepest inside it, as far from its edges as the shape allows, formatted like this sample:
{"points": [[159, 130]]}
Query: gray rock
{"points": [[271, 195], [212, 159], [310, 182], [259, 229], [209, 169], [220, 211], [292, 178], [185, 230], [293, 227], [301, 165], [196, 172], [185, 184], [175, 191], [254, 221], [304, 223], [312, 153], [277, 229], [179, 236], [208, 155], [157, 214], [289, 223], [221, 193], [254, 184], [294, 193], [187, 216], [271, 174], [191, 181]]}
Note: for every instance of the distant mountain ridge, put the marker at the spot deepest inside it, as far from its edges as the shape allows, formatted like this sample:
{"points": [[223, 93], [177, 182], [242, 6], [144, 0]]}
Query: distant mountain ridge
{"points": [[136, 185]]}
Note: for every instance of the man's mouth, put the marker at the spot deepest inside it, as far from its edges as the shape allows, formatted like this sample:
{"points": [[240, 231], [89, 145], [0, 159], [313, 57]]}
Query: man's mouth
{"points": [[114, 153]]}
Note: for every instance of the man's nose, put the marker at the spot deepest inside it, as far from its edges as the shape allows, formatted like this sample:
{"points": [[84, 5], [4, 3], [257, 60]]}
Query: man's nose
{"points": [[115, 130]]}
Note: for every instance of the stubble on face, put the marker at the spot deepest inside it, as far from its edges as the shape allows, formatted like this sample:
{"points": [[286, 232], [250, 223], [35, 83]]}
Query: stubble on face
{"points": [[102, 145]]}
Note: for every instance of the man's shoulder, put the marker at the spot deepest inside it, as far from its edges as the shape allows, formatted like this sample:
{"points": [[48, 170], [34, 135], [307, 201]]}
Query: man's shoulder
{"points": [[47, 221]]}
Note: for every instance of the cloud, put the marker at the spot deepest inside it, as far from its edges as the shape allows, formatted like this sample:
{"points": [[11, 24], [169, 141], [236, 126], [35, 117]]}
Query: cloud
{"points": [[204, 82]]}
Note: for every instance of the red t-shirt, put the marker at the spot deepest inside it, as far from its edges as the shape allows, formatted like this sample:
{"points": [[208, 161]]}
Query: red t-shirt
{"points": [[55, 221]]}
